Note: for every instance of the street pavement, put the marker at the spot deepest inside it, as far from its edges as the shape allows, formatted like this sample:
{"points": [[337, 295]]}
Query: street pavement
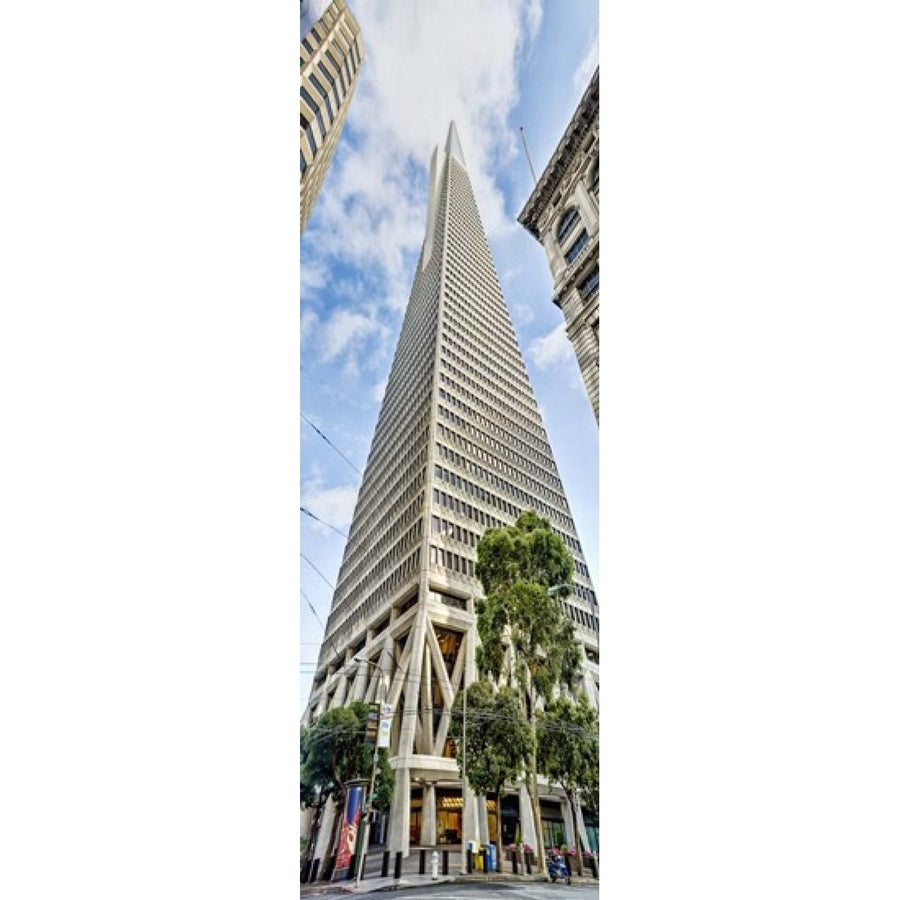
{"points": [[493, 887]]}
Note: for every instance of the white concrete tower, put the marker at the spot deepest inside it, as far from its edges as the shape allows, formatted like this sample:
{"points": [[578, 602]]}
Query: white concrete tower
{"points": [[459, 447]]}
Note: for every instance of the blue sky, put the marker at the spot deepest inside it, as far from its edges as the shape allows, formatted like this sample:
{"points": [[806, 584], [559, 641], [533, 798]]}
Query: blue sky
{"points": [[491, 68]]}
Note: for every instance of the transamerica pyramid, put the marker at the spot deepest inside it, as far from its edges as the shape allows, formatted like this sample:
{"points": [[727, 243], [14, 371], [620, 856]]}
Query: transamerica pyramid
{"points": [[459, 447]]}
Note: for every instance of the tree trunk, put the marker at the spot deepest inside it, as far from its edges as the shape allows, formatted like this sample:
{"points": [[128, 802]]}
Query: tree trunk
{"points": [[536, 808]]}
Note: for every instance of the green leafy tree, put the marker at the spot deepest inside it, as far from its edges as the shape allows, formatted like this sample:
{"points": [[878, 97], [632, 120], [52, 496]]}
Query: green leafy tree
{"points": [[568, 752], [332, 754], [526, 641], [498, 742]]}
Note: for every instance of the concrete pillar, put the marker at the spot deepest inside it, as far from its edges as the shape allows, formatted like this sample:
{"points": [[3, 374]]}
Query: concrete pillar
{"points": [[582, 830], [471, 824], [429, 815], [568, 822], [325, 826], [481, 804], [526, 818], [340, 692], [399, 827]]}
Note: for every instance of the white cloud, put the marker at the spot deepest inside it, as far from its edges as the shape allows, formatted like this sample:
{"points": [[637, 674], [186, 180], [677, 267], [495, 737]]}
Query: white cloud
{"points": [[333, 505], [582, 75], [552, 350], [345, 333], [313, 275], [524, 313], [426, 63], [377, 392]]}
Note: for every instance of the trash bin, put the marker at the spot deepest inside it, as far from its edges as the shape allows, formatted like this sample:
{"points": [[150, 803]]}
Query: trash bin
{"points": [[492, 857], [478, 859]]}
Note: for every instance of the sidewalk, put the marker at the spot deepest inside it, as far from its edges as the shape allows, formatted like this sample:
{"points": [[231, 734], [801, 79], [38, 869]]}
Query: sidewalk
{"points": [[371, 885]]}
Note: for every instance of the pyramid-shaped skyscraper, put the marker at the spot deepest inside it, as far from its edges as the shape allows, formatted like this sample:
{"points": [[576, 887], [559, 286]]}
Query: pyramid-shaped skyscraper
{"points": [[459, 447]]}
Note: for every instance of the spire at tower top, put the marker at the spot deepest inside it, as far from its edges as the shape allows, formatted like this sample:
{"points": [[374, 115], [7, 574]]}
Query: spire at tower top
{"points": [[453, 147]]}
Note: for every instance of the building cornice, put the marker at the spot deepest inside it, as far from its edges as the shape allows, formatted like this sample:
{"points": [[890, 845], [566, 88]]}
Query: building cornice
{"points": [[581, 121]]}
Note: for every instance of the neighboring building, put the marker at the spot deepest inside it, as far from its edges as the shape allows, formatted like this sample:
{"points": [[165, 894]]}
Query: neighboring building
{"points": [[459, 447], [562, 213], [331, 53]]}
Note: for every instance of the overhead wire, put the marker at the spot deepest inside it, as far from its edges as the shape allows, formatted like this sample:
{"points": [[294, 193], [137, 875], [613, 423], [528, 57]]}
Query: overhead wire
{"points": [[330, 443], [312, 515]]}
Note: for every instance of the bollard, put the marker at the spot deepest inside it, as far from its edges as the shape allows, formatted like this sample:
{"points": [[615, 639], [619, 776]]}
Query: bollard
{"points": [[421, 862], [314, 870], [484, 860], [361, 866], [515, 862], [445, 863], [351, 869], [435, 857], [385, 863], [304, 872], [470, 860], [398, 864], [528, 863]]}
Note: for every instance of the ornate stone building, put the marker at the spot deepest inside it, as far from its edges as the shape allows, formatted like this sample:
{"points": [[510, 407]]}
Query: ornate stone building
{"points": [[562, 213], [331, 54], [459, 447]]}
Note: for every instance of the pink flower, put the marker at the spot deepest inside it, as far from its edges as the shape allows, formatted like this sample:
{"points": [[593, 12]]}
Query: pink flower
{"points": [[529, 848], [571, 851]]}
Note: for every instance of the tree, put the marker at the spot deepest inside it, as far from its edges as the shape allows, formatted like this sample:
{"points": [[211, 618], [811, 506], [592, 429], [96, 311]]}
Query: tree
{"points": [[526, 641], [497, 745], [568, 752], [332, 753]]}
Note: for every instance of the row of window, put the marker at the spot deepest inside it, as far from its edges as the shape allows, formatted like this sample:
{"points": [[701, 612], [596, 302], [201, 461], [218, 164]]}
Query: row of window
{"points": [[407, 570], [580, 616], [579, 244], [588, 287], [453, 561], [453, 531], [499, 465], [461, 508], [483, 338], [493, 390], [476, 451], [543, 508]]}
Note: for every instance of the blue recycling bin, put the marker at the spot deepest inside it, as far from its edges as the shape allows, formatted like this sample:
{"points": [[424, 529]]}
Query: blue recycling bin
{"points": [[492, 857]]}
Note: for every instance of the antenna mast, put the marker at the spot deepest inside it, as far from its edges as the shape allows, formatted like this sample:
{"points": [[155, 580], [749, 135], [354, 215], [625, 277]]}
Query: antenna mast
{"points": [[527, 154]]}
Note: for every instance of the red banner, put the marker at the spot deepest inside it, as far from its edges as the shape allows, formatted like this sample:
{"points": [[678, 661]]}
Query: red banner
{"points": [[349, 828]]}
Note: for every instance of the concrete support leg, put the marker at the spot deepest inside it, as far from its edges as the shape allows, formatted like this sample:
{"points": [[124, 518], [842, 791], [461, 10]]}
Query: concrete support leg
{"points": [[483, 834], [582, 830], [471, 826], [399, 827], [325, 827], [429, 815], [568, 822], [526, 819]]}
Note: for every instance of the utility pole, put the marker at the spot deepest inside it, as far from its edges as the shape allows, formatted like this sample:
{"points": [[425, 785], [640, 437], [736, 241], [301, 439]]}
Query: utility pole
{"points": [[464, 855]]}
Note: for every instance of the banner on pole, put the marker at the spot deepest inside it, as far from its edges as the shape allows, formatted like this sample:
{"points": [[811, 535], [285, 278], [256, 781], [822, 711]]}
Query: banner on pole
{"points": [[384, 726], [349, 827]]}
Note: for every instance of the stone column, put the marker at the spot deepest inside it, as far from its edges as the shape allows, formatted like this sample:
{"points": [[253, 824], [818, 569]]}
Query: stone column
{"points": [[471, 823], [526, 819], [325, 827], [483, 832], [568, 822], [429, 815], [399, 825]]}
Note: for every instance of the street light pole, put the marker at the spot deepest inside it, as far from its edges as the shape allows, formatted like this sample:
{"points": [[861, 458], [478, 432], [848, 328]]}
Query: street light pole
{"points": [[361, 855]]}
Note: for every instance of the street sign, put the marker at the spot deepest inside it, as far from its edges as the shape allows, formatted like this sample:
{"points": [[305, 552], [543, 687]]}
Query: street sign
{"points": [[371, 725]]}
